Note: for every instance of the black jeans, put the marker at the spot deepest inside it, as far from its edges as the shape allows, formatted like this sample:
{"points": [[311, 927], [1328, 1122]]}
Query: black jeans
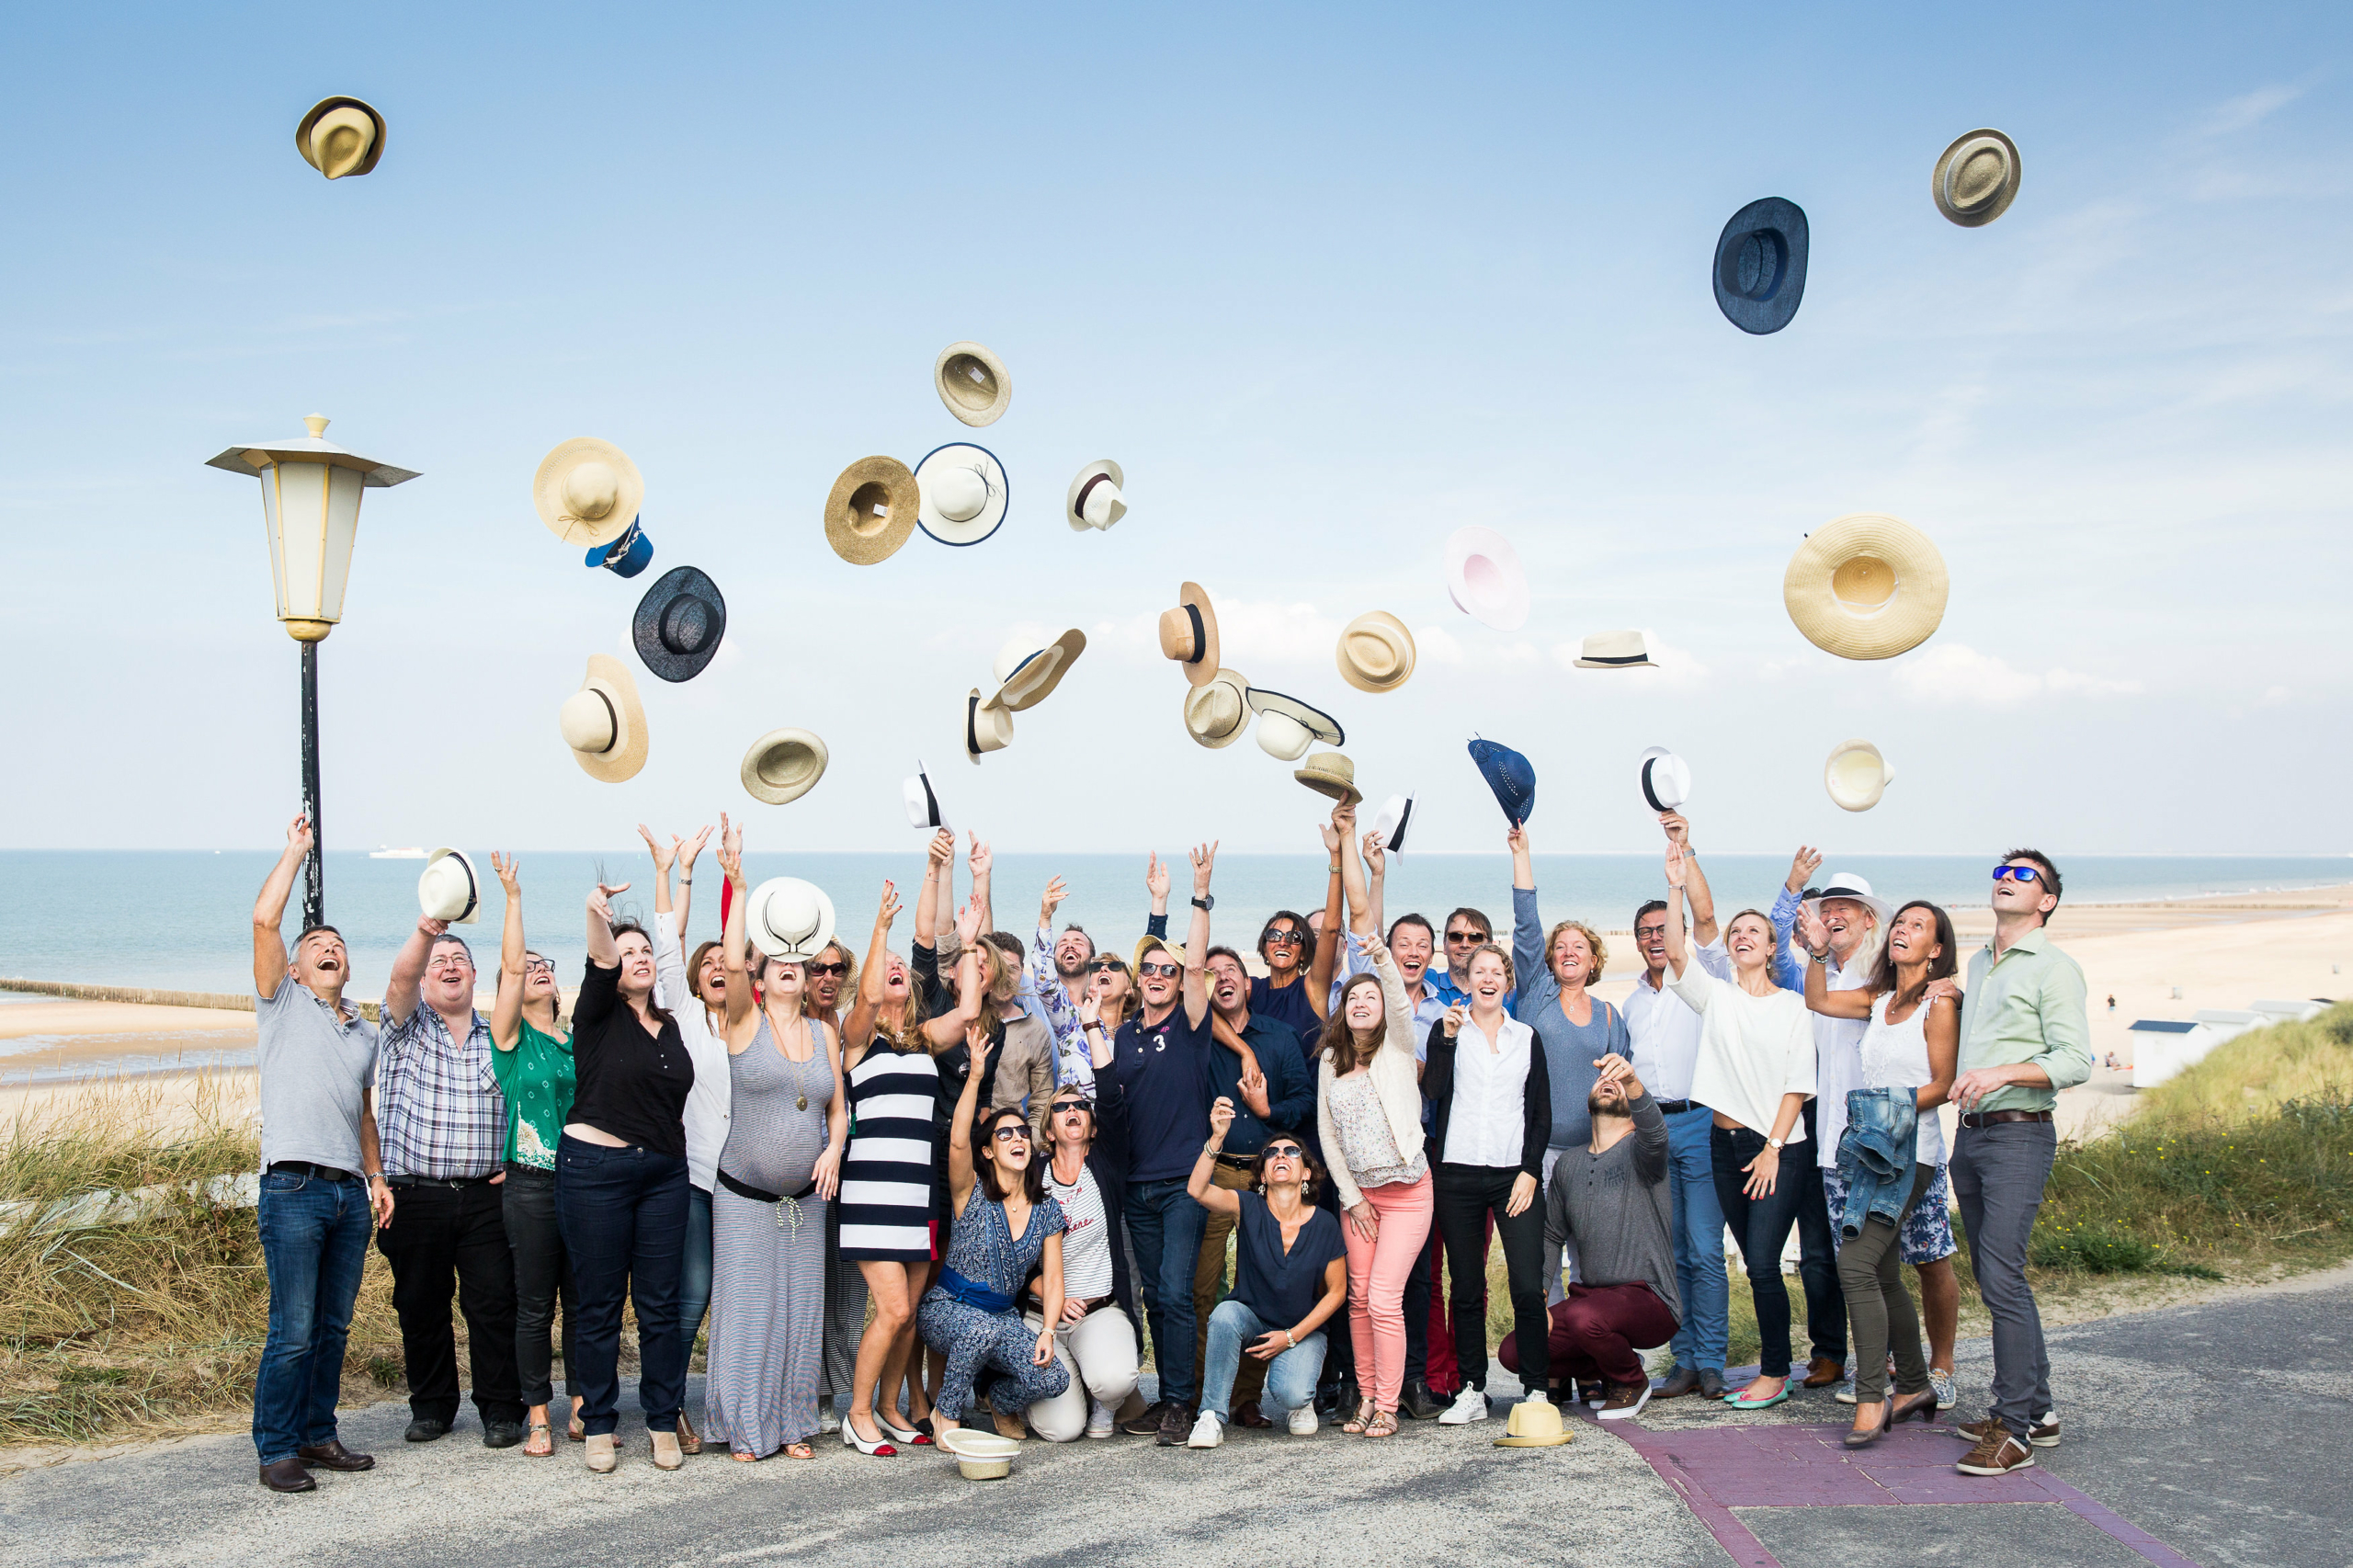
{"points": [[1464, 1195], [443, 1236], [1826, 1300], [1762, 1226], [624, 1215], [543, 1275]]}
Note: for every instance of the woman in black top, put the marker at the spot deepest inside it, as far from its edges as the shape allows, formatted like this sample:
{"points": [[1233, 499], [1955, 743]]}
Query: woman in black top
{"points": [[620, 1183]]}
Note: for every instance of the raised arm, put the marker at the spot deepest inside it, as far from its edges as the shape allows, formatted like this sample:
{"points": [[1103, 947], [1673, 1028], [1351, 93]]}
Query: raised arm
{"points": [[971, 991], [1815, 938], [1203, 1190], [1679, 948], [959, 1125], [270, 910], [1376, 869], [1703, 902], [1352, 883], [507, 1012], [983, 860], [1526, 925], [1327, 936], [1155, 887], [859, 1028], [602, 950], [1399, 1012], [663, 853], [933, 905], [1196, 935], [730, 939], [686, 850], [407, 978]]}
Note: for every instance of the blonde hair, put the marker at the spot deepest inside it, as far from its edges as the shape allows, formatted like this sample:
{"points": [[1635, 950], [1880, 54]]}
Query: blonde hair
{"points": [[1592, 940], [1511, 970]]}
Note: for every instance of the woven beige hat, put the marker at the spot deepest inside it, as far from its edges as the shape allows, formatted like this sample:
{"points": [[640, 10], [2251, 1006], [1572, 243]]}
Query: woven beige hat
{"points": [[1330, 773], [604, 723], [587, 492], [1094, 500], [1218, 711], [1188, 634], [449, 889], [873, 510], [340, 136], [783, 765], [1865, 586], [1533, 1423], [972, 382], [986, 728], [1375, 652], [1857, 775], [1977, 178]]}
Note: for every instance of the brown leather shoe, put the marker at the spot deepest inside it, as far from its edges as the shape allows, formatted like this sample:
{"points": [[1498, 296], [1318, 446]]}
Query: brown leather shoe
{"points": [[2043, 1432], [1997, 1455], [333, 1455], [288, 1476], [1821, 1371], [1680, 1382], [1249, 1415]]}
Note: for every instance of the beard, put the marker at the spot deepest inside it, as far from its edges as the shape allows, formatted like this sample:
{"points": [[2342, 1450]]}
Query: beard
{"points": [[1596, 1104], [1070, 969]]}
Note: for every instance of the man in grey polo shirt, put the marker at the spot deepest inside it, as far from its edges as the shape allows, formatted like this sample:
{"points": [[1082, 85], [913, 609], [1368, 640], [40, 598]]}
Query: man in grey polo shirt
{"points": [[318, 1134]]}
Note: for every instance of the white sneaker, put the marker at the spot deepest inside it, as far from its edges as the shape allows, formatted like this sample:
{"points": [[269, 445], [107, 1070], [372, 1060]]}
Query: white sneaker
{"points": [[1101, 1420], [1208, 1432], [1469, 1405], [828, 1418], [1302, 1420]]}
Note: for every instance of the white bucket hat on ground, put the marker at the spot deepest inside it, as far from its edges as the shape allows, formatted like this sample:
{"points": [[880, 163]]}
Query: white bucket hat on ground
{"points": [[449, 889], [788, 918], [1857, 775], [1484, 579]]}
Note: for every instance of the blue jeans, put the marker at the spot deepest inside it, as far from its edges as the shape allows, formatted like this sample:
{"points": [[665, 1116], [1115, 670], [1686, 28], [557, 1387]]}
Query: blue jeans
{"points": [[1290, 1377], [623, 1213], [694, 1272], [1166, 1225], [1699, 1242], [313, 1244]]}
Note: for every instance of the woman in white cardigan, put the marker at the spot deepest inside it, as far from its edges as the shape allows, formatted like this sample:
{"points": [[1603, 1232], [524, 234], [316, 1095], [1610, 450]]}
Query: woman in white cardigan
{"points": [[1368, 1112]]}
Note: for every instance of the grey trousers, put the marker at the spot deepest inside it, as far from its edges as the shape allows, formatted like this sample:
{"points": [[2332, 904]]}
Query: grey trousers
{"points": [[1871, 1275], [1998, 1173], [845, 1314]]}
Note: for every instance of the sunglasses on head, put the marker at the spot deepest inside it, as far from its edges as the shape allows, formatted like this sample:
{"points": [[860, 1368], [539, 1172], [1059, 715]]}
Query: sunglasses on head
{"points": [[1273, 937], [817, 969], [2020, 873], [1164, 969]]}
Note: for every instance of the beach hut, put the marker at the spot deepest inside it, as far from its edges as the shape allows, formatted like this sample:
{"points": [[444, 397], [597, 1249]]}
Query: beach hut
{"points": [[2162, 1047], [2294, 1011]]}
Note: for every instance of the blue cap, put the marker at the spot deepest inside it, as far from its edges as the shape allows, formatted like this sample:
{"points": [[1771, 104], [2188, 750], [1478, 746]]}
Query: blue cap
{"points": [[626, 556], [1511, 775]]}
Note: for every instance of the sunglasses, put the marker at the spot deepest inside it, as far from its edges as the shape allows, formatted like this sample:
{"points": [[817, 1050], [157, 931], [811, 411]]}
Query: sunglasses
{"points": [[1284, 1151], [1099, 965], [1466, 936], [819, 969], [1061, 1106], [1271, 938], [2020, 873], [1009, 1134], [1164, 969]]}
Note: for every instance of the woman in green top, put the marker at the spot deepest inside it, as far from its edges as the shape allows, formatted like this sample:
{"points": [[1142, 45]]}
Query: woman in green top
{"points": [[533, 1064]]}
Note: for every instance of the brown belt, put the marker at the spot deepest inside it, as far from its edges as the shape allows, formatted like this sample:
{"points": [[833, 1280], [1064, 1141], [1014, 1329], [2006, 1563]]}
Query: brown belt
{"points": [[1237, 1162], [1987, 1117]]}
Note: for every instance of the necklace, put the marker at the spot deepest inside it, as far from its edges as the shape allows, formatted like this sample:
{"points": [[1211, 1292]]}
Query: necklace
{"points": [[800, 1094]]}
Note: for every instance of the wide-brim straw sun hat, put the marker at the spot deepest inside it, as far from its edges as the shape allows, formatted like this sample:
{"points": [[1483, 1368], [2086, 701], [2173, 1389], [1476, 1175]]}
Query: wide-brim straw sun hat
{"points": [[1395, 819], [1484, 578], [587, 492], [1375, 652], [1217, 712], [961, 494], [783, 765], [1857, 775], [604, 723], [1977, 178], [972, 382], [1188, 634], [1331, 773], [986, 729], [1616, 651], [1667, 779], [449, 889], [679, 623], [788, 918], [1287, 726], [341, 137], [1533, 1423], [871, 510], [1095, 499], [1027, 676], [1760, 265], [1866, 586]]}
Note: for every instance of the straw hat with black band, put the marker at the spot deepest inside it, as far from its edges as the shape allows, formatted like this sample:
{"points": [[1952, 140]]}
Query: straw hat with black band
{"points": [[1977, 178], [604, 723], [1866, 586], [341, 136], [1218, 711], [1375, 652], [972, 382], [679, 623], [587, 492], [783, 765], [1616, 651], [1330, 773], [1188, 634], [871, 510]]}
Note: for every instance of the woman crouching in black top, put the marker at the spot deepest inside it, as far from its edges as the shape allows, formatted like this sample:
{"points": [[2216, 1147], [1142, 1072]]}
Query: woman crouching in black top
{"points": [[620, 1183]]}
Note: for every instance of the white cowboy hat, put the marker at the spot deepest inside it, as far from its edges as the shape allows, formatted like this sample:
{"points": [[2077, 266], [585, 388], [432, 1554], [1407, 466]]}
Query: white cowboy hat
{"points": [[1866, 586], [1188, 634], [986, 728], [1331, 773], [1667, 779], [963, 491], [1287, 726], [1095, 501], [587, 492], [1027, 676], [972, 382], [788, 918], [1484, 579], [1616, 651], [1396, 816], [923, 804], [604, 723], [1857, 775], [980, 1456], [1217, 712], [449, 889], [871, 509], [1375, 652], [1844, 884], [340, 136], [1976, 178], [783, 765]]}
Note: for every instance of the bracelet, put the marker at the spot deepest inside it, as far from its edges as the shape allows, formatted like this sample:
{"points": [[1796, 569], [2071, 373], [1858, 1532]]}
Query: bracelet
{"points": [[1214, 1146], [1290, 1339], [1333, 870], [685, 881]]}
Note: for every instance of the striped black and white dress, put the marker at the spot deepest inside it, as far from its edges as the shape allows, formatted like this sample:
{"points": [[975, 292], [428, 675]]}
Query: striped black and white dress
{"points": [[886, 1197]]}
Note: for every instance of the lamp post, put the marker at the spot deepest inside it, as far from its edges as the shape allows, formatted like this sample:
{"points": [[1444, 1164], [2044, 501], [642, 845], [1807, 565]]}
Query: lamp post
{"points": [[310, 500]]}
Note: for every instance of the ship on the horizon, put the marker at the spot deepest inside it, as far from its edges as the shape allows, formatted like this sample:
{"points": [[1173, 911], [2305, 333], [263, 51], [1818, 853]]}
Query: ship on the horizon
{"points": [[389, 853]]}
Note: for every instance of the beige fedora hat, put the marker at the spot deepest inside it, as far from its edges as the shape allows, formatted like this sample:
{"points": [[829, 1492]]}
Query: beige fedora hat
{"points": [[1188, 634], [783, 765], [340, 136], [1977, 178], [1857, 775], [1866, 586], [1094, 500], [873, 510], [972, 383], [604, 723], [1027, 676], [449, 889], [1533, 1423], [987, 728], [1218, 710], [587, 492], [1616, 651], [1375, 652], [1287, 726], [788, 918], [1330, 773]]}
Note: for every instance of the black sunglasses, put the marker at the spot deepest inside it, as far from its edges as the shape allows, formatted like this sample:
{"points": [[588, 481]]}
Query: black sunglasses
{"points": [[1099, 965], [1282, 1150], [1466, 936], [1160, 968], [1011, 1132], [1273, 937]]}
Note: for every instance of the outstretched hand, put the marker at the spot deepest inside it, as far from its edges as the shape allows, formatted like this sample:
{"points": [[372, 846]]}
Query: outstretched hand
{"points": [[1813, 932], [1050, 900], [508, 868], [968, 921], [1676, 870], [299, 836], [1155, 877], [663, 853], [600, 901], [1204, 862], [688, 849], [1802, 866], [888, 910], [731, 850]]}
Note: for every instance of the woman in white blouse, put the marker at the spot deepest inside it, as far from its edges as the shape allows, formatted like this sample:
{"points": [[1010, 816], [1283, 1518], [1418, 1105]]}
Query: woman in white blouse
{"points": [[1755, 1072], [1095, 1338]]}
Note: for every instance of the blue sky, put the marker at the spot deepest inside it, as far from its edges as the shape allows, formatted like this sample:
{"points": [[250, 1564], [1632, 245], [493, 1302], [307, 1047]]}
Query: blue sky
{"points": [[1328, 282]]}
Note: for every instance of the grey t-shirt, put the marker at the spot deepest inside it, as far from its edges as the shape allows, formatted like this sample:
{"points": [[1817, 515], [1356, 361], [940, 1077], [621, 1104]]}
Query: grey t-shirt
{"points": [[1619, 1207], [314, 1068]]}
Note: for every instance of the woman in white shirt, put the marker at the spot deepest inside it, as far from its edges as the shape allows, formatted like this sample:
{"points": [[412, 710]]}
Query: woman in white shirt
{"points": [[1754, 1071], [1096, 1338]]}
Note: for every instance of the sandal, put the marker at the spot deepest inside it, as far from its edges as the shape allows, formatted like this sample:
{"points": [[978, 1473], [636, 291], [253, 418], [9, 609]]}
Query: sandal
{"points": [[1382, 1425], [742, 1458], [540, 1442], [799, 1451], [1362, 1418], [690, 1442]]}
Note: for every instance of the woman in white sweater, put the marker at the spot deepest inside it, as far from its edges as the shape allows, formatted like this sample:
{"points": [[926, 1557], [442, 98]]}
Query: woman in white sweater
{"points": [[1755, 1072], [1368, 1112]]}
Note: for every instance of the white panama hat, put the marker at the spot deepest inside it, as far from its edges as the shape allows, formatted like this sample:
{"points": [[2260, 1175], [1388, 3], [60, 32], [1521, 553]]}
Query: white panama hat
{"points": [[1667, 779], [604, 723], [986, 728], [789, 918], [1616, 651], [1027, 676], [449, 889], [922, 802], [1287, 726], [1094, 500], [1846, 885], [962, 493], [1857, 775], [1484, 579], [1396, 816]]}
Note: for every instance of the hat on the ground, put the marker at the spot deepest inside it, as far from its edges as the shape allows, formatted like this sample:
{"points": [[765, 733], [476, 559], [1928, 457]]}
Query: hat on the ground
{"points": [[871, 510], [1287, 726], [1396, 816], [587, 492], [1616, 651], [1760, 265], [961, 493], [1027, 676], [1667, 779], [1188, 634], [972, 382], [1844, 884], [679, 623], [1866, 586], [1511, 775], [1217, 712], [923, 804], [783, 765], [1977, 178], [1857, 775], [604, 723], [1484, 579], [986, 727], [449, 889], [1330, 773], [1375, 652], [340, 136], [626, 556], [980, 1456], [788, 918], [1095, 501], [1533, 1423]]}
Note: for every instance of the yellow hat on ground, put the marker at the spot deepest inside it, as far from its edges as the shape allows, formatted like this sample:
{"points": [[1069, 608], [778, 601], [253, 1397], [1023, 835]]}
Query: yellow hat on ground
{"points": [[1533, 1423]]}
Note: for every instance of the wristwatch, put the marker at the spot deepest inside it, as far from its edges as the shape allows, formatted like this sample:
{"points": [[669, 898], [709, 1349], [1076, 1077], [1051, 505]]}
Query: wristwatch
{"points": [[1775, 1144], [1206, 902]]}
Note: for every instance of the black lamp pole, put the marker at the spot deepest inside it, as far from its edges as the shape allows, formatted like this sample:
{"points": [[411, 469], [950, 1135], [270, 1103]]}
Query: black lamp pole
{"points": [[315, 890]]}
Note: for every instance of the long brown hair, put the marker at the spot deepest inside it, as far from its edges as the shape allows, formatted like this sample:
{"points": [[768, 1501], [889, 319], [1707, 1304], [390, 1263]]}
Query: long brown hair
{"points": [[985, 1168], [1340, 1045]]}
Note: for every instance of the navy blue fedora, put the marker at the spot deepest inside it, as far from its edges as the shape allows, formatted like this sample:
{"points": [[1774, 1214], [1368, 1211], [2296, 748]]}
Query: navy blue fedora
{"points": [[679, 623], [1511, 775], [627, 555], [1760, 265]]}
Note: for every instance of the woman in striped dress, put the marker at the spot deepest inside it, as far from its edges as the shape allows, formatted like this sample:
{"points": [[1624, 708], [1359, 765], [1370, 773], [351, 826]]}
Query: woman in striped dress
{"points": [[886, 1201]]}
